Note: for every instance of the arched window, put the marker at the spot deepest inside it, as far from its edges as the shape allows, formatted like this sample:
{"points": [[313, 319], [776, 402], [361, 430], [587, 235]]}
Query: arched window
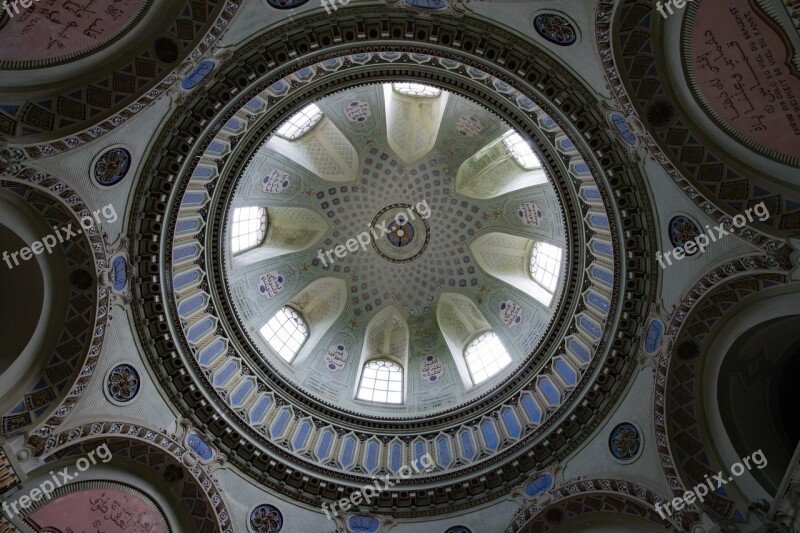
{"points": [[300, 123], [486, 356], [381, 381], [249, 228], [521, 151], [285, 332], [416, 89], [546, 265]]}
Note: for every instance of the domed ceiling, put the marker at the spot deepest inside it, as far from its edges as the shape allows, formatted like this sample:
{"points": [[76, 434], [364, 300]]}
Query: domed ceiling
{"points": [[379, 254], [448, 217]]}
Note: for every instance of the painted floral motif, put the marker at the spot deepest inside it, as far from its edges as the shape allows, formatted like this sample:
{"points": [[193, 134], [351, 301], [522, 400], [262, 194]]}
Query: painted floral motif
{"points": [[286, 4], [681, 231], [123, 383], [266, 519], [112, 166], [624, 441], [556, 29]]}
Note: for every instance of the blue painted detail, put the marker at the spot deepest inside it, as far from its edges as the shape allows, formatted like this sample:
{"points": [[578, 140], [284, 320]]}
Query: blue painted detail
{"points": [[590, 327], [348, 451], [200, 447], [371, 459], [325, 444], [600, 221], [538, 485], [489, 433], [467, 441], [259, 411], [579, 350], [226, 374], [202, 172], [598, 302], [566, 372], [603, 275], [622, 127], [119, 273], [242, 392], [602, 248], [681, 230], [566, 144], [198, 75], [256, 104], [581, 168], [420, 451], [443, 451], [279, 426], [549, 390], [123, 383], [186, 226], [592, 193], [217, 147], [200, 329], [190, 306], [427, 4], [187, 278], [363, 523], [194, 198], [234, 125], [184, 252], [458, 529], [395, 457], [531, 409], [213, 352], [654, 333], [511, 423], [301, 435]]}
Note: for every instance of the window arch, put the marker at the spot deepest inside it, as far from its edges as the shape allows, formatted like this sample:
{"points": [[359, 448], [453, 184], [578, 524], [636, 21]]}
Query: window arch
{"points": [[286, 332], [381, 381], [249, 228], [300, 123], [522, 151], [546, 265], [486, 356], [416, 89]]}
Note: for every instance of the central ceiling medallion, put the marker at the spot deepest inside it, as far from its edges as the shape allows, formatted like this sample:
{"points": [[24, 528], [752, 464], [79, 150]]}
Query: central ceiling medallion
{"points": [[402, 232]]}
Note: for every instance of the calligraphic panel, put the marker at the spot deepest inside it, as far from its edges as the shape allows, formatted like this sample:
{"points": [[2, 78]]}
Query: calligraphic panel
{"points": [[53, 29], [741, 67], [97, 510]]}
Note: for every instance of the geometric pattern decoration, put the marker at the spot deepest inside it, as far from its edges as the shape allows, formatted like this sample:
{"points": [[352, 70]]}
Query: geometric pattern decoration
{"points": [[266, 518], [555, 28]]}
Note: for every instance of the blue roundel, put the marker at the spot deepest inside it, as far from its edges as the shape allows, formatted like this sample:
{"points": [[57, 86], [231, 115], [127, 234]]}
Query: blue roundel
{"points": [[286, 4], [682, 230], [427, 4], [198, 75], [458, 529], [266, 518], [363, 523], [123, 383], [555, 28], [112, 166], [625, 441]]}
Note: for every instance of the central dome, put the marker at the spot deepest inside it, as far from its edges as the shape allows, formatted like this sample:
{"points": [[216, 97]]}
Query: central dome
{"points": [[395, 249]]}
